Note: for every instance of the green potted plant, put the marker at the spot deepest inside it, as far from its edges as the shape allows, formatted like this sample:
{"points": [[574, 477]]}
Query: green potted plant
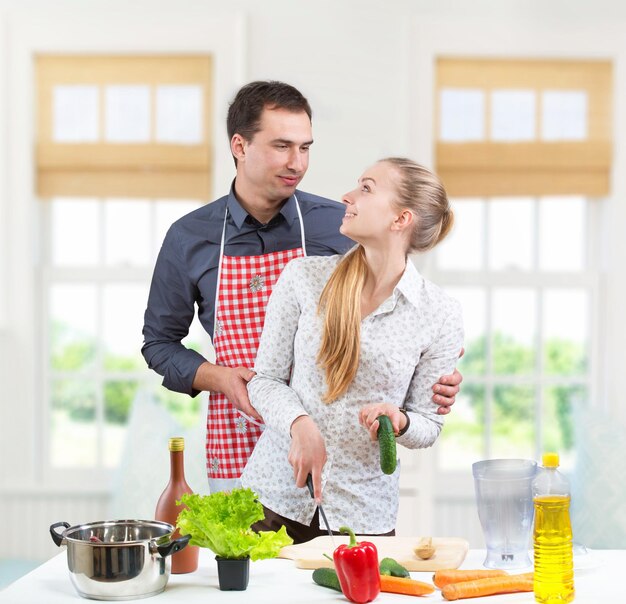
{"points": [[222, 523]]}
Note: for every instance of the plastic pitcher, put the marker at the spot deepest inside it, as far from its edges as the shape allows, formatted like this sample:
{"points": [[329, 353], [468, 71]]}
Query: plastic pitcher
{"points": [[505, 509]]}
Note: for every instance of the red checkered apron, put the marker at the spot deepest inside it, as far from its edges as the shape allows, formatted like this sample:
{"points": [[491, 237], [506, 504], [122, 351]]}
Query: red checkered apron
{"points": [[244, 285]]}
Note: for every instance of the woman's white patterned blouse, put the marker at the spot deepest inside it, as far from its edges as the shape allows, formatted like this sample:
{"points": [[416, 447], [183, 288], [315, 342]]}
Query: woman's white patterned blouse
{"points": [[411, 340]]}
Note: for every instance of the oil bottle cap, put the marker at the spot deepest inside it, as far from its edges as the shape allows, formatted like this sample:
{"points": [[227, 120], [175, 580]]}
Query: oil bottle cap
{"points": [[177, 444], [550, 460]]}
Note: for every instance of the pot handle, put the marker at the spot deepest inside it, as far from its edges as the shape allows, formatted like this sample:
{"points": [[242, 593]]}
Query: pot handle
{"points": [[58, 539], [174, 546]]}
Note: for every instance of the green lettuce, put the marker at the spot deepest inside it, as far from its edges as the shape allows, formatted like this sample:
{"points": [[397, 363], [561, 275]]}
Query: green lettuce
{"points": [[221, 522]]}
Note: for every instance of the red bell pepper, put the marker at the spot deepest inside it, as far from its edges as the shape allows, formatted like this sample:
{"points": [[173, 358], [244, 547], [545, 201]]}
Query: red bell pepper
{"points": [[357, 569]]}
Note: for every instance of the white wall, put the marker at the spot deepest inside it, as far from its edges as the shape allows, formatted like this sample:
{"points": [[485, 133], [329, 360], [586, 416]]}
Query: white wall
{"points": [[367, 68]]}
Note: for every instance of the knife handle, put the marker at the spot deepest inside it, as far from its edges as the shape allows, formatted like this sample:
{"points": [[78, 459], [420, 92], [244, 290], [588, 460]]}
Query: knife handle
{"points": [[309, 484]]}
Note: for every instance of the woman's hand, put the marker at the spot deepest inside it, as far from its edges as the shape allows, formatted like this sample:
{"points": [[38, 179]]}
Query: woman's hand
{"points": [[307, 454], [368, 417]]}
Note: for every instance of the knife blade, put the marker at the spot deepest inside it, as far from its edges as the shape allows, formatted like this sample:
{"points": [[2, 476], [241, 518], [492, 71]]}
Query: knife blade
{"points": [[309, 484]]}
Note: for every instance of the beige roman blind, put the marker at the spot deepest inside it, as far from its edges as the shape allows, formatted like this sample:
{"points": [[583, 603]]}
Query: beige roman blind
{"points": [[131, 126], [523, 127]]}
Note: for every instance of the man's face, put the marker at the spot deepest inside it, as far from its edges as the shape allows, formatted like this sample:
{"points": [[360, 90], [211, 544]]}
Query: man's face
{"points": [[270, 166]]}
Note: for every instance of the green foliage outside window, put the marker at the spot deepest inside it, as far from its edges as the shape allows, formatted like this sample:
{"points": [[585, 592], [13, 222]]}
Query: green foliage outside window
{"points": [[75, 396], [512, 411], [70, 351], [513, 405]]}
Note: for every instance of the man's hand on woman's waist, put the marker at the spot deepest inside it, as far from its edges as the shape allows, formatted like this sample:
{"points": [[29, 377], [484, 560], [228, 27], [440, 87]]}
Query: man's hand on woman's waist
{"points": [[446, 389], [232, 382]]}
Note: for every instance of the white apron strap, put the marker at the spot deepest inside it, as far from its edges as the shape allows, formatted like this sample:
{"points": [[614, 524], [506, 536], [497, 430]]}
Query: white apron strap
{"points": [[301, 226], [219, 273]]}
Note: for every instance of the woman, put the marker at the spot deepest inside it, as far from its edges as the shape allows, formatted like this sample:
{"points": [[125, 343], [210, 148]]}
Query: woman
{"points": [[347, 339]]}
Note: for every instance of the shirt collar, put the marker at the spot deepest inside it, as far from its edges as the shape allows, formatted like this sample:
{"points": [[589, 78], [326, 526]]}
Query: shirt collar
{"points": [[409, 286], [410, 283], [236, 210]]}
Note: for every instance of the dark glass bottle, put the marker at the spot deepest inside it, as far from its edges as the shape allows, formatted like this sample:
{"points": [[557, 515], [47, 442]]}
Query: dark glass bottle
{"points": [[185, 561]]}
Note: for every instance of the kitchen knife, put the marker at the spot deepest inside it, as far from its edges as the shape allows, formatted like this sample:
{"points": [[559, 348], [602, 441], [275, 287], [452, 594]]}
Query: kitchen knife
{"points": [[309, 484]]}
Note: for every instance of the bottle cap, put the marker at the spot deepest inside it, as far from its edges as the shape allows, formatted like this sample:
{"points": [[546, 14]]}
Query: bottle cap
{"points": [[550, 460], [177, 444]]}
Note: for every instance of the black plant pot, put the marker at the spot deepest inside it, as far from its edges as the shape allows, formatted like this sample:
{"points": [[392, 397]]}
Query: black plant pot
{"points": [[233, 574]]}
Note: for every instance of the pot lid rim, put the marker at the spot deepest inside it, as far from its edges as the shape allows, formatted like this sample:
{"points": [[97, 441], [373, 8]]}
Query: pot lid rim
{"points": [[98, 524]]}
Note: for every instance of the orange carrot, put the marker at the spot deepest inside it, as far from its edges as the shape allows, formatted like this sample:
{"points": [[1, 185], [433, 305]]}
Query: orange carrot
{"points": [[441, 578], [408, 587], [488, 587]]}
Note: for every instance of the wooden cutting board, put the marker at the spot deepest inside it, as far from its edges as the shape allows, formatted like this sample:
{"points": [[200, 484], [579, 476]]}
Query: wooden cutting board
{"points": [[449, 552]]}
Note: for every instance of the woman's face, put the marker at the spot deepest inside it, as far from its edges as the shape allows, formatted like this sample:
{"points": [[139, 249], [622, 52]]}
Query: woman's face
{"points": [[369, 208]]}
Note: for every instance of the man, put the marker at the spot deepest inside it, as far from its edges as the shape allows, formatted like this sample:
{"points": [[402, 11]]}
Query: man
{"points": [[225, 258]]}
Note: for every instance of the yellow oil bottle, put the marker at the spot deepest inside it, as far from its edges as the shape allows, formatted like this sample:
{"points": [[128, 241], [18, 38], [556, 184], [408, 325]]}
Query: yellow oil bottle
{"points": [[552, 535]]}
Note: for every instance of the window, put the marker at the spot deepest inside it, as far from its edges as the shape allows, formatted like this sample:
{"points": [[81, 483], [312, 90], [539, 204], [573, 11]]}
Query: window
{"points": [[524, 127], [95, 280], [136, 126], [520, 268], [123, 150], [523, 148]]}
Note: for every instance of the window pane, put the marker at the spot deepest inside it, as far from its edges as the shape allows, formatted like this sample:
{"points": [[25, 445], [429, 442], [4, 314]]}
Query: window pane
{"points": [[74, 232], [512, 115], [119, 396], [462, 437], [127, 114], [184, 410], [565, 332], [179, 115], [73, 327], [75, 114], [559, 403], [462, 115], [127, 232], [462, 249], [562, 239], [473, 301], [74, 437], [564, 115], [510, 233], [514, 328], [123, 309], [513, 426]]}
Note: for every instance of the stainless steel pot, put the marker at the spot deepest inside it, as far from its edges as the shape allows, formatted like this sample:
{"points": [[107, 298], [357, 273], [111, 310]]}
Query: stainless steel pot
{"points": [[119, 559]]}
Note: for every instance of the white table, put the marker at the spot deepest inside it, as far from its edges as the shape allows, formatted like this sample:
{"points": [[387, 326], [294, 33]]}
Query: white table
{"points": [[278, 581]]}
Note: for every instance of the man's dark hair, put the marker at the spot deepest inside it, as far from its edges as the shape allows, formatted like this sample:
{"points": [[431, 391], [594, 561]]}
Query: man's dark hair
{"points": [[244, 113]]}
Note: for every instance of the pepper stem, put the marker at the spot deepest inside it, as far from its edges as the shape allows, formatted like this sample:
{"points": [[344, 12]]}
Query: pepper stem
{"points": [[344, 530]]}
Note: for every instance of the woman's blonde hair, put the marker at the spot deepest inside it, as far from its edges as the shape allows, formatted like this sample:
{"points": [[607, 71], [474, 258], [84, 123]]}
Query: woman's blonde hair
{"points": [[419, 191]]}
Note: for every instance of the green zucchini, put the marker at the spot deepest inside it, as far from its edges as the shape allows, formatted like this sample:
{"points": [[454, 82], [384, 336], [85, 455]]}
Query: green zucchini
{"points": [[388, 566], [327, 577], [387, 445]]}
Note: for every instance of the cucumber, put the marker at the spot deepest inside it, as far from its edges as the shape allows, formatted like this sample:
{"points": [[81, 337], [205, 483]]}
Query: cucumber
{"points": [[388, 566], [327, 577], [387, 445]]}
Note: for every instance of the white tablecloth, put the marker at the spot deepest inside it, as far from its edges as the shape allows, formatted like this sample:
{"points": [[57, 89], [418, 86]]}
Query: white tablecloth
{"points": [[597, 579]]}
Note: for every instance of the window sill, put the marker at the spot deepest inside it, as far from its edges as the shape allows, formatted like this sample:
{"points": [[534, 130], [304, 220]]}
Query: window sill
{"points": [[56, 491]]}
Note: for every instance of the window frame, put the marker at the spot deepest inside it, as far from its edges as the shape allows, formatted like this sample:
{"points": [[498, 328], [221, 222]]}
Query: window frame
{"points": [[457, 483], [100, 275], [450, 505], [223, 35]]}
